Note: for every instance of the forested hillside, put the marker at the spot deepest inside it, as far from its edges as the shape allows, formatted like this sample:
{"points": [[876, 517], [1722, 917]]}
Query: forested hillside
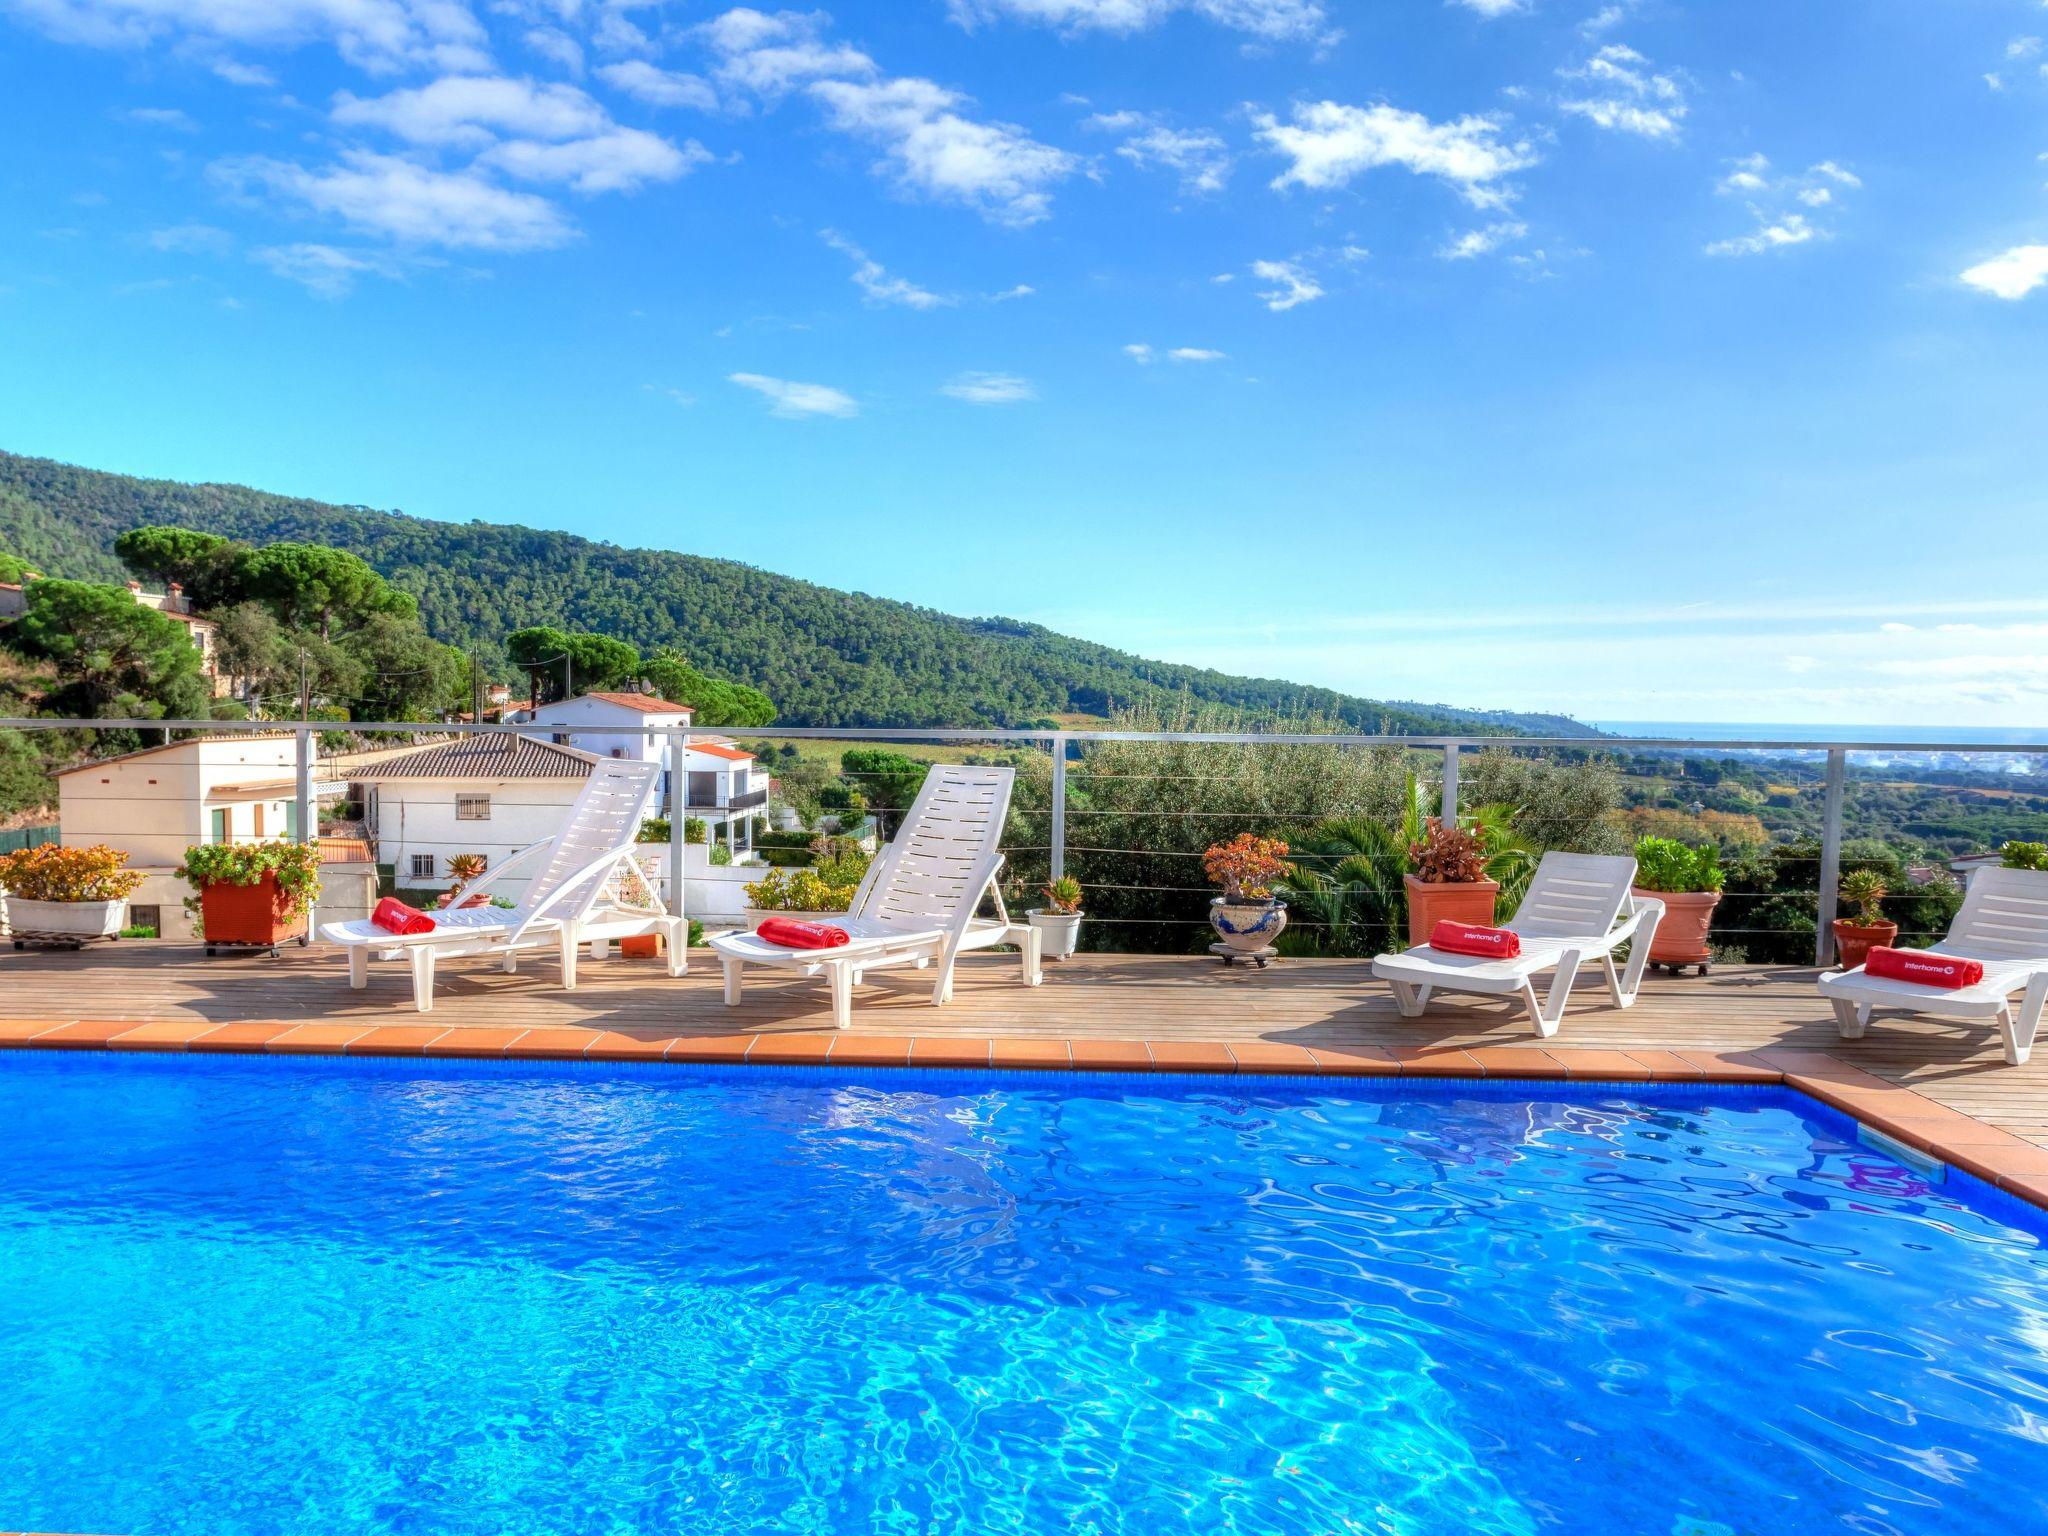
{"points": [[824, 656]]}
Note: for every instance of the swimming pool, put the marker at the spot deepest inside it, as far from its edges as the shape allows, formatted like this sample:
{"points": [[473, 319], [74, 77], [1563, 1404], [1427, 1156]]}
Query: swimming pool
{"points": [[262, 1295]]}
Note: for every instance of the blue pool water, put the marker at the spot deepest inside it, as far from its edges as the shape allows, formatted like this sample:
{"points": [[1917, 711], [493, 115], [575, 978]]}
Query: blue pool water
{"points": [[243, 1296]]}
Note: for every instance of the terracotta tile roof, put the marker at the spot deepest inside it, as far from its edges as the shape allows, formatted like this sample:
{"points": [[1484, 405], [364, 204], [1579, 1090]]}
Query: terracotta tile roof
{"points": [[482, 757], [646, 703], [344, 850], [719, 749]]}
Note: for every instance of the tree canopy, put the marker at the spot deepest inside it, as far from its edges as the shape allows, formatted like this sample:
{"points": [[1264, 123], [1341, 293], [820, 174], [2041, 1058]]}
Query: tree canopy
{"points": [[584, 662], [115, 656]]}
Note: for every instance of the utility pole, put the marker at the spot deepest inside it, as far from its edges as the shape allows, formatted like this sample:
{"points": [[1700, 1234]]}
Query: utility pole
{"points": [[568, 692], [305, 696], [476, 690]]}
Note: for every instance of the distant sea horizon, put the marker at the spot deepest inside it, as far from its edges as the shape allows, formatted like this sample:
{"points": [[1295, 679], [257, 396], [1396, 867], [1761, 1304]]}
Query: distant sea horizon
{"points": [[1715, 730]]}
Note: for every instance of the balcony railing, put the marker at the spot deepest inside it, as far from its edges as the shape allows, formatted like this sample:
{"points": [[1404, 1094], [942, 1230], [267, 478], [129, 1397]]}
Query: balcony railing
{"points": [[1084, 834], [696, 800]]}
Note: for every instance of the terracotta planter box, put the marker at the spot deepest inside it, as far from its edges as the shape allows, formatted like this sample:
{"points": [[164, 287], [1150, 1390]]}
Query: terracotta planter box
{"points": [[1682, 934], [248, 914], [1462, 901], [1853, 941]]}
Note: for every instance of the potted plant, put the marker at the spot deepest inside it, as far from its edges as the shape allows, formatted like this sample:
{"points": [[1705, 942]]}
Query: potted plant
{"points": [[252, 893], [1447, 879], [465, 867], [1059, 921], [804, 894], [1688, 882], [1247, 917], [1857, 936], [67, 896]]}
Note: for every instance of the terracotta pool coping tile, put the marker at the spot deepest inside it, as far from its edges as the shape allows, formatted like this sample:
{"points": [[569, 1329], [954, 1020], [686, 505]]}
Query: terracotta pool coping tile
{"points": [[472, 1042], [395, 1040], [316, 1039], [1732, 1066], [1271, 1056], [238, 1037], [1582, 1063], [1516, 1061], [1110, 1055], [22, 1031], [1021, 1051], [949, 1051], [1665, 1066], [86, 1035], [551, 1044], [610, 1045], [2028, 1186], [709, 1048], [1190, 1056], [871, 1051], [164, 1035], [1822, 1067], [1435, 1061], [1355, 1060], [805, 1048]]}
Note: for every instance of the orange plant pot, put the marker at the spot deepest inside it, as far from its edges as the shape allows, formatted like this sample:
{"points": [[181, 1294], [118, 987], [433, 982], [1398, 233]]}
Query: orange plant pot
{"points": [[1462, 901], [642, 946], [249, 914], [1682, 932], [1855, 941]]}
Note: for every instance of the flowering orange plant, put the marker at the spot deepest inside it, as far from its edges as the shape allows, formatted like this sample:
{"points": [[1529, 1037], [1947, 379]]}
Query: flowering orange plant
{"points": [[1246, 866], [52, 873]]}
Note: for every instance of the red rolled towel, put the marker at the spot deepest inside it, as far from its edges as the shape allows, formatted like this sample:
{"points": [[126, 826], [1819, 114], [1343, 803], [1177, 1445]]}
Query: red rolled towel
{"points": [[791, 934], [394, 916], [1923, 966], [1475, 939]]}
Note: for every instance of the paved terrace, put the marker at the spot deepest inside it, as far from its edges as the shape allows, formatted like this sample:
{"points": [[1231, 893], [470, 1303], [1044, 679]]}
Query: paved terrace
{"points": [[1938, 1085]]}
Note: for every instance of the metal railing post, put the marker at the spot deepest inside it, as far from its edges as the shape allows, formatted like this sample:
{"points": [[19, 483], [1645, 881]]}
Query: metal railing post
{"points": [[1449, 810], [1059, 804], [678, 741], [307, 832], [1830, 856]]}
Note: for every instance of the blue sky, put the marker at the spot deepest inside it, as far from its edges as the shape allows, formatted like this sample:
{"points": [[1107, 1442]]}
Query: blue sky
{"points": [[1644, 360]]}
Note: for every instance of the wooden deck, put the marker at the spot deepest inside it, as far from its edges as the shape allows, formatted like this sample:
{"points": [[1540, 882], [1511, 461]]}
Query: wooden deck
{"points": [[1319, 1004]]}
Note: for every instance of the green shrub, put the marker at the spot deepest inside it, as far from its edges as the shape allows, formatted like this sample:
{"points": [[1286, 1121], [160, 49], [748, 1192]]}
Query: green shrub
{"points": [[2024, 855], [1864, 889], [295, 865], [1666, 864]]}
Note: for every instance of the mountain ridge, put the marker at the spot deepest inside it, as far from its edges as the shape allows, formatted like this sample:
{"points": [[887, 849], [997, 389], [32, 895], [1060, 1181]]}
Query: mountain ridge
{"points": [[827, 656]]}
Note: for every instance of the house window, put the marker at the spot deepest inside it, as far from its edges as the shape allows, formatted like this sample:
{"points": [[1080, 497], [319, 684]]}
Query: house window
{"points": [[257, 812], [472, 807], [423, 866], [560, 738], [220, 826], [146, 917]]}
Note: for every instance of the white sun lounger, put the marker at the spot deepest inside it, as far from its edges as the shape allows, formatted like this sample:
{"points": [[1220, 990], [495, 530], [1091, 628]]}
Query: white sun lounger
{"points": [[1578, 905], [568, 901], [918, 902], [2003, 925]]}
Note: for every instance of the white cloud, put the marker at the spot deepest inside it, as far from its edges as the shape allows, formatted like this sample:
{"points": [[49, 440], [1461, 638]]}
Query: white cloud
{"points": [[1292, 285], [1625, 94], [1274, 19], [875, 281], [2011, 274], [376, 35], [162, 117], [788, 398], [553, 43], [1196, 355], [1020, 291], [995, 168], [237, 73], [325, 271], [2023, 48], [1770, 198], [1330, 144], [1140, 352], [1480, 242], [1770, 235], [396, 198], [191, 240], [1198, 157], [989, 388], [620, 160], [1491, 9], [770, 55], [470, 111], [659, 87]]}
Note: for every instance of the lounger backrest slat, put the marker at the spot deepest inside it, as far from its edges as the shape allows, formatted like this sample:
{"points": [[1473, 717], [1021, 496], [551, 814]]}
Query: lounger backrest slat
{"points": [[605, 818], [932, 873], [2004, 915], [1575, 895]]}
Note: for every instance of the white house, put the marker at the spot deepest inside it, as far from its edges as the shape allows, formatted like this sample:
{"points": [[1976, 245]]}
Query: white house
{"points": [[488, 795], [172, 603], [154, 804], [722, 785]]}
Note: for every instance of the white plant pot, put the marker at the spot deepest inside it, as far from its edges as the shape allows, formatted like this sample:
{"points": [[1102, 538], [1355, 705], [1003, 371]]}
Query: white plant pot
{"points": [[1059, 933], [755, 914], [64, 922], [1247, 927]]}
